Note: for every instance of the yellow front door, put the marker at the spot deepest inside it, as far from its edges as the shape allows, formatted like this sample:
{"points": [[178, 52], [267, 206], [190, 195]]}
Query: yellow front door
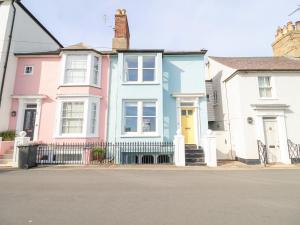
{"points": [[187, 125]]}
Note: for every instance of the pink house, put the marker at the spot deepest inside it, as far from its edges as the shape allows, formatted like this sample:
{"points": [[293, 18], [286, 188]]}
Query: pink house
{"points": [[61, 96]]}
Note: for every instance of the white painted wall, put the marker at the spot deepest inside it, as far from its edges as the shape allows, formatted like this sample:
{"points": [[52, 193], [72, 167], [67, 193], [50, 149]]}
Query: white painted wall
{"points": [[28, 36]]}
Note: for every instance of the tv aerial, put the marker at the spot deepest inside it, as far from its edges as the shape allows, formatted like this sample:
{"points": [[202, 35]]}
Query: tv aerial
{"points": [[296, 10]]}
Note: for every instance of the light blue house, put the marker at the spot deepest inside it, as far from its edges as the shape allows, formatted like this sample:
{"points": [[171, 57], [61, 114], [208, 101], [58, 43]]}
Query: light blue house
{"points": [[154, 94]]}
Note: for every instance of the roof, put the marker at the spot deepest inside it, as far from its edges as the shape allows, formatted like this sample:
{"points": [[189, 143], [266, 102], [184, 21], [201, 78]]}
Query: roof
{"points": [[202, 51], [37, 53], [80, 47], [260, 63], [38, 22]]}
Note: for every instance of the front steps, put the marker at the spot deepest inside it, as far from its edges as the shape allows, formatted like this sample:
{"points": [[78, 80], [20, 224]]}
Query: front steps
{"points": [[194, 156], [6, 159]]}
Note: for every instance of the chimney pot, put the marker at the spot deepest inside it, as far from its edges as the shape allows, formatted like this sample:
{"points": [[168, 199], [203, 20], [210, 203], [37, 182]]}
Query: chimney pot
{"points": [[297, 25], [123, 11]]}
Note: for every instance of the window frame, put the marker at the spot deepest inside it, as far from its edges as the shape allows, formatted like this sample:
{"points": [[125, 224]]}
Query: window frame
{"points": [[271, 87], [89, 69], [140, 69], [87, 105], [24, 70], [140, 117]]}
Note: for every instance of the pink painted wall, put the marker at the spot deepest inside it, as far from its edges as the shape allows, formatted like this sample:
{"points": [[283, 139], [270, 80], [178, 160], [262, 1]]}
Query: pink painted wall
{"points": [[44, 81], [6, 146]]}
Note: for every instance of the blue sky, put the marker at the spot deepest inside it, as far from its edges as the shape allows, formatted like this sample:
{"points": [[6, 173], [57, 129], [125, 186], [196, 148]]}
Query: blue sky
{"points": [[223, 27]]}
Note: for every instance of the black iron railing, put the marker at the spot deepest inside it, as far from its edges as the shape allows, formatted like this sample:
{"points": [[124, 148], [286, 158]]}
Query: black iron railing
{"points": [[262, 152], [294, 151], [106, 153]]}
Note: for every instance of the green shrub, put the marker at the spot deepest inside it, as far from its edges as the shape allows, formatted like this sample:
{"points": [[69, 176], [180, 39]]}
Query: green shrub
{"points": [[98, 152], [8, 135]]}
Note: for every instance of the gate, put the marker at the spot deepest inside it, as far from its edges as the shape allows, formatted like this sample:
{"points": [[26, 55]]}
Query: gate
{"points": [[262, 152], [294, 151]]}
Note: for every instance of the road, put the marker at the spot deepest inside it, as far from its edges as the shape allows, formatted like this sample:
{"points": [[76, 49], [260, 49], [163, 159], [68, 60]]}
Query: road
{"points": [[149, 197]]}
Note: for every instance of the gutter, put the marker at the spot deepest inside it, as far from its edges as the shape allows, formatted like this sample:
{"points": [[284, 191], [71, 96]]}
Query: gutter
{"points": [[8, 50]]}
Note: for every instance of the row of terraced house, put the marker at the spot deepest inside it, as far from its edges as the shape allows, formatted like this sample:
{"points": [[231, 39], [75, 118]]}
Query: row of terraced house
{"points": [[79, 94]]}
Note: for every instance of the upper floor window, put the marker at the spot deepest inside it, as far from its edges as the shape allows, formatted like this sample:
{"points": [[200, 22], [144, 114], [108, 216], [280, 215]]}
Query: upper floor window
{"points": [[265, 87], [76, 69], [28, 70], [82, 69], [141, 68]]}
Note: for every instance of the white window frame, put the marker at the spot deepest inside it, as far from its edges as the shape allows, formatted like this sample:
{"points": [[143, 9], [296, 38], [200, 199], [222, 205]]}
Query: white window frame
{"points": [[140, 69], [140, 118], [32, 68], [87, 101], [271, 87], [89, 72]]}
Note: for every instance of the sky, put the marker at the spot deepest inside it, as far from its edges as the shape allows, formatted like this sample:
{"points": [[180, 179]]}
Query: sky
{"points": [[223, 27]]}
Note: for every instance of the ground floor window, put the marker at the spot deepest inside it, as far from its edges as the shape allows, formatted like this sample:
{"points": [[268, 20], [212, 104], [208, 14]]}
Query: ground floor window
{"points": [[78, 117], [139, 116]]}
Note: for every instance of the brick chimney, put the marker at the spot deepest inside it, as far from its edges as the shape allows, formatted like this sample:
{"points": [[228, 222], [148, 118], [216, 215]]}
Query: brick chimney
{"points": [[287, 40], [122, 35]]}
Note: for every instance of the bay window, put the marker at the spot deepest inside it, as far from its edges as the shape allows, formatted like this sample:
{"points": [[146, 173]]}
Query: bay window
{"points": [[78, 117], [139, 117], [72, 117], [81, 69], [140, 68]]}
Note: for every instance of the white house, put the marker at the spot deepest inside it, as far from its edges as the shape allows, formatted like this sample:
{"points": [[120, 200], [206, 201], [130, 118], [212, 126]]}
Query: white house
{"points": [[257, 100], [20, 32]]}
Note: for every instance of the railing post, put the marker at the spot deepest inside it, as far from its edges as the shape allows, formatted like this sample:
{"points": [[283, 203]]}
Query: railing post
{"points": [[179, 149], [21, 140], [210, 149]]}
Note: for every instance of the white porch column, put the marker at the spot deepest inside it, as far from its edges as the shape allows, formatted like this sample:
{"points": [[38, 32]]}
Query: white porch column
{"points": [[283, 146], [21, 140], [179, 154], [210, 149]]}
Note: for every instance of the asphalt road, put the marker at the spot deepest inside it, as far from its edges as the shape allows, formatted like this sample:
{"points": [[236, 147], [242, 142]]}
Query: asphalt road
{"points": [[152, 197]]}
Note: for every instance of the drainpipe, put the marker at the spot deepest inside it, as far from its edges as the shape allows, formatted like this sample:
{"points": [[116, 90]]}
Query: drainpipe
{"points": [[8, 50], [229, 125]]}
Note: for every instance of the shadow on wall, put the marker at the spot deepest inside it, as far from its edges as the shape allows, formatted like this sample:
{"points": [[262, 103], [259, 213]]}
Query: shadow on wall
{"points": [[218, 108], [171, 79]]}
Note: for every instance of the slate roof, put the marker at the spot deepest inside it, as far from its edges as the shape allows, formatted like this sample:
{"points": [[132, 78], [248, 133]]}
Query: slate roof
{"points": [[260, 63]]}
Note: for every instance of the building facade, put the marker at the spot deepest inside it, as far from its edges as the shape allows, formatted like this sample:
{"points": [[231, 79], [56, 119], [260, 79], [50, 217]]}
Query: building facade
{"points": [[20, 32], [62, 96]]}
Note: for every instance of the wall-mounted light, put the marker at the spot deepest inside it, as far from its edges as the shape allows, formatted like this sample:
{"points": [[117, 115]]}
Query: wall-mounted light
{"points": [[250, 120], [13, 114]]}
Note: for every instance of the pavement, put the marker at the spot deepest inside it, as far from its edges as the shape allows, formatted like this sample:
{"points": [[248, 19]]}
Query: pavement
{"points": [[150, 196]]}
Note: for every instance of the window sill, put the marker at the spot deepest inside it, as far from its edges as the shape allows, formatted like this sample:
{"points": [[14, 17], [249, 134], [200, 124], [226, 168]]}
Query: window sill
{"points": [[76, 136], [272, 98], [79, 85], [140, 83], [140, 135]]}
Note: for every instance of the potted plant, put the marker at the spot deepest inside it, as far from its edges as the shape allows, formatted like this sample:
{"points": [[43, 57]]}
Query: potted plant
{"points": [[8, 135], [98, 154]]}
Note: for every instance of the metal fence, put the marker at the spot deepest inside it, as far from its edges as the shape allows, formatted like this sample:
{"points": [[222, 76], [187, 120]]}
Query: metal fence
{"points": [[294, 151], [262, 152], [106, 153]]}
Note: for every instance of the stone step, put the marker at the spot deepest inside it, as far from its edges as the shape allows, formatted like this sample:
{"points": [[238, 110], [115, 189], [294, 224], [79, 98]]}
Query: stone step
{"points": [[194, 151], [5, 161], [194, 155], [192, 147], [195, 164], [6, 156], [192, 160]]}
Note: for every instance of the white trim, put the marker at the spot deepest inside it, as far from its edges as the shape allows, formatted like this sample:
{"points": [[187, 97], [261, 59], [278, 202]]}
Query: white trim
{"points": [[29, 96], [77, 96], [20, 115], [139, 132], [24, 71], [188, 95], [87, 101], [279, 114], [140, 69]]}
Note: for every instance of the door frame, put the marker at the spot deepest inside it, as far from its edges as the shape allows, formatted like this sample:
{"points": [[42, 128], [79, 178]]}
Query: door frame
{"points": [[22, 103], [194, 104], [278, 156], [277, 111]]}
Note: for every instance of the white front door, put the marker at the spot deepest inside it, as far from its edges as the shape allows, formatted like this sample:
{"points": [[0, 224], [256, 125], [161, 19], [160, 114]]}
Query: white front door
{"points": [[271, 139]]}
